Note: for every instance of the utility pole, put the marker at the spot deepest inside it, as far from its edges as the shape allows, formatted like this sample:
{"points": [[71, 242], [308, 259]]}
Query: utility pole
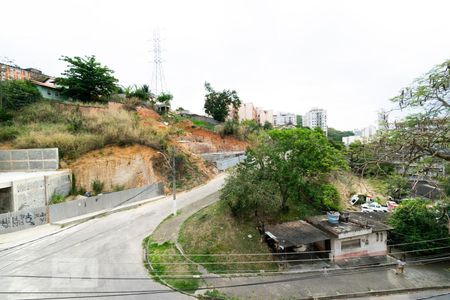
{"points": [[172, 166]]}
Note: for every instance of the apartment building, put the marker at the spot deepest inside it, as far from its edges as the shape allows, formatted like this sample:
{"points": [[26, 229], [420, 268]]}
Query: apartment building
{"points": [[247, 111], [316, 117], [8, 72], [284, 118]]}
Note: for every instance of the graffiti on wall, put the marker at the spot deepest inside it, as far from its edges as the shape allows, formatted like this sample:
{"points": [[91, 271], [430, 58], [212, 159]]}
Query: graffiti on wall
{"points": [[10, 222]]}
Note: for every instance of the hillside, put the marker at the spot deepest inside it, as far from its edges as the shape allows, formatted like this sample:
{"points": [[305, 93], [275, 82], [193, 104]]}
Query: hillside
{"points": [[115, 143]]}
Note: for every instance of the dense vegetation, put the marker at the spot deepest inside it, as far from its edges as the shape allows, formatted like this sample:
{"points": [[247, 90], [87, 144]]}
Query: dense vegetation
{"points": [[44, 124], [283, 177], [419, 225]]}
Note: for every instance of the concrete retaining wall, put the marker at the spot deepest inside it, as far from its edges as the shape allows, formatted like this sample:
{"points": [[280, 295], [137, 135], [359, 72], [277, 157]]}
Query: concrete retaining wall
{"points": [[38, 191], [29, 159], [213, 157], [224, 164], [75, 208], [23, 219]]}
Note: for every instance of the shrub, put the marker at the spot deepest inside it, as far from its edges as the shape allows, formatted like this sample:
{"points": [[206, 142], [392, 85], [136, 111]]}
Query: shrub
{"points": [[8, 133], [56, 198], [5, 116], [118, 187], [97, 186], [18, 93], [70, 145], [40, 112]]}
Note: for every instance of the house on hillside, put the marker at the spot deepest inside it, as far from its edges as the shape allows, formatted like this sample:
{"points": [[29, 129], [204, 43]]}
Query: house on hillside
{"points": [[354, 235], [49, 90]]}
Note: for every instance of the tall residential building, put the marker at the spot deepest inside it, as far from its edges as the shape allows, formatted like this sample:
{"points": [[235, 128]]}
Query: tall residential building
{"points": [[316, 117]]}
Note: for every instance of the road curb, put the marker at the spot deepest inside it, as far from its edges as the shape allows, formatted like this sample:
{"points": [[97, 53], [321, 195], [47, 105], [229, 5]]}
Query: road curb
{"points": [[105, 212], [377, 293]]}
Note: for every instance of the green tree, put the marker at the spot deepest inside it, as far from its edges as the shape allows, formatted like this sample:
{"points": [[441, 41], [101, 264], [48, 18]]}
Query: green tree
{"points": [[284, 166], [267, 125], [336, 136], [397, 186], [416, 222], [18, 93], [217, 103], [426, 130], [86, 79], [300, 156], [249, 194], [164, 98]]}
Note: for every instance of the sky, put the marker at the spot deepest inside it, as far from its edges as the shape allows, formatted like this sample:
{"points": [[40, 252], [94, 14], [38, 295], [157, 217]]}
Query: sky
{"points": [[348, 57]]}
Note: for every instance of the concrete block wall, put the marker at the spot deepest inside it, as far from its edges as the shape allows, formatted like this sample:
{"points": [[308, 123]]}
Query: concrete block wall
{"points": [[38, 191], [29, 159]]}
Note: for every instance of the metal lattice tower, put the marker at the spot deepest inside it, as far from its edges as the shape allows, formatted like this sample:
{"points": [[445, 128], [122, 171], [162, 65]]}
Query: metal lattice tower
{"points": [[158, 80]]}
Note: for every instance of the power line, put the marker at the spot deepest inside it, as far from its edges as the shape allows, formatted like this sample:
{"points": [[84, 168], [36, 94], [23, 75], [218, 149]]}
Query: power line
{"points": [[370, 269]]}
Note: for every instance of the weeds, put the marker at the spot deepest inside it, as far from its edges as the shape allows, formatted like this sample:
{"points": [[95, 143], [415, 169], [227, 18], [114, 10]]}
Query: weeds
{"points": [[97, 186]]}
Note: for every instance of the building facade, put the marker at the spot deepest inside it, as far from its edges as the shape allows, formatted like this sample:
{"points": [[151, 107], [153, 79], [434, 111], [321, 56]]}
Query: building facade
{"points": [[283, 119], [8, 72], [247, 111], [264, 116], [316, 118]]}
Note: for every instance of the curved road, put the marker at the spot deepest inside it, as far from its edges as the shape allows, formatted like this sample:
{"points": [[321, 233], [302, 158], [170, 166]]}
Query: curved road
{"points": [[98, 259]]}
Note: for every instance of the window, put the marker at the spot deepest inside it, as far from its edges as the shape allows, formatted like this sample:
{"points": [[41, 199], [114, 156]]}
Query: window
{"points": [[379, 236], [351, 244]]}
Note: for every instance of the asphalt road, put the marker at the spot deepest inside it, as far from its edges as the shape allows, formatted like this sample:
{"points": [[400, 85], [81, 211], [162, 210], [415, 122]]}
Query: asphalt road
{"points": [[98, 259]]}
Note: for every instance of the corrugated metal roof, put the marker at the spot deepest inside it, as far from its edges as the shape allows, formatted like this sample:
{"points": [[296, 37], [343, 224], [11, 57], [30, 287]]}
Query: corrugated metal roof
{"points": [[296, 233]]}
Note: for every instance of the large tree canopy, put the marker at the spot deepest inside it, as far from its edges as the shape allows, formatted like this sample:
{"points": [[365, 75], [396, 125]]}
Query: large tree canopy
{"points": [[217, 103], [285, 166], [86, 79], [425, 132]]}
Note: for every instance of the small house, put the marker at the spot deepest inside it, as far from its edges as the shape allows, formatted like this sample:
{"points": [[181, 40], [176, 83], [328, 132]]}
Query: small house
{"points": [[355, 235], [349, 236]]}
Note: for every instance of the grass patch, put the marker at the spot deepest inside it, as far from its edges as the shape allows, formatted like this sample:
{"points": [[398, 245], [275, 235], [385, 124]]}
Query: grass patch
{"points": [[216, 295], [203, 124], [166, 260], [56, 198], [213, 230], [298, 210]]}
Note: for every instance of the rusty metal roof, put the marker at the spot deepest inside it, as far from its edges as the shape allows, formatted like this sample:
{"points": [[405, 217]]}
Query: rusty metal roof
{"points": [[296, 233]]}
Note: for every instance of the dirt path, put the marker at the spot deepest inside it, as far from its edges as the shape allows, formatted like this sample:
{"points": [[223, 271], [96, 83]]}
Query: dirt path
{"points": [[168, 230]]}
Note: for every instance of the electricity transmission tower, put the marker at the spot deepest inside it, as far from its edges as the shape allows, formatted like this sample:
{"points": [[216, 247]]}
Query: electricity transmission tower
{"points": [[158, 80]]}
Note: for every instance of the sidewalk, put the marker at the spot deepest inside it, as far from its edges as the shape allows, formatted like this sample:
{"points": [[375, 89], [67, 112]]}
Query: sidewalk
{"points": [[13, 239], [306, 286]]}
